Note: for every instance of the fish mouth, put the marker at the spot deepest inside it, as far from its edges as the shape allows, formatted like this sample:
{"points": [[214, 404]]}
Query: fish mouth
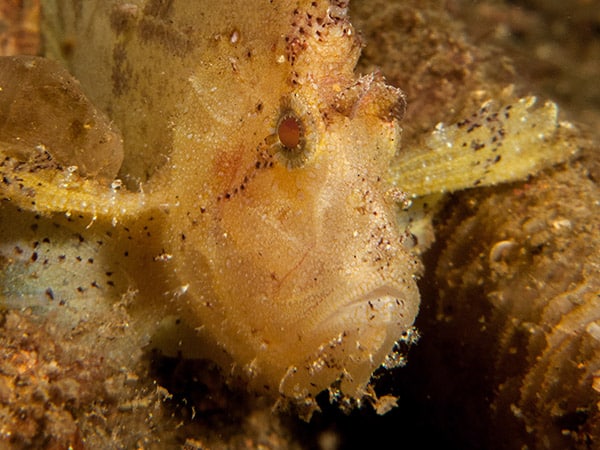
{"points": [[351, 341], [355, 339], [370, 323], [383, 305]]}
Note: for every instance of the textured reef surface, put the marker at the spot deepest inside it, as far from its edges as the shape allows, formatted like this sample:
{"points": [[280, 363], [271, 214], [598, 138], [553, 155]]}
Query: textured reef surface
{"points": [[213, 218]]}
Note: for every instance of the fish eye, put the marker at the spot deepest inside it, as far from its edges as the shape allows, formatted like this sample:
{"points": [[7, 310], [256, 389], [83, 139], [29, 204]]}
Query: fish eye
{"points": [[291, 139], [289, 132]]}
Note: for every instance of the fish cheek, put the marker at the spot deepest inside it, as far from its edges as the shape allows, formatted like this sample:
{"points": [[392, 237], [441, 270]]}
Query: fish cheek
{"points": [[223, 302], [263, 235], [241, 265]]}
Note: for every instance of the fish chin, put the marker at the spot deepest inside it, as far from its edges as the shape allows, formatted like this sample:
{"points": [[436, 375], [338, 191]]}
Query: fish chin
{"points": [[355, 341]]}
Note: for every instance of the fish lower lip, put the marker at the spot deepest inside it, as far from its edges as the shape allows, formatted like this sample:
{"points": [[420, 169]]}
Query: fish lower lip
{"points": [[384, 304]]}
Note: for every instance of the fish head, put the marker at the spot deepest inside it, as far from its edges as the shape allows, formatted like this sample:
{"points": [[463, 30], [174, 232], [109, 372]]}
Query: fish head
{"points": [[296, 265]]}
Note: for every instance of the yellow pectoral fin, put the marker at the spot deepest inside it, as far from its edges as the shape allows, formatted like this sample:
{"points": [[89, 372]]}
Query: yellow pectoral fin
{"points": [[44, 187], [494, 145]]}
